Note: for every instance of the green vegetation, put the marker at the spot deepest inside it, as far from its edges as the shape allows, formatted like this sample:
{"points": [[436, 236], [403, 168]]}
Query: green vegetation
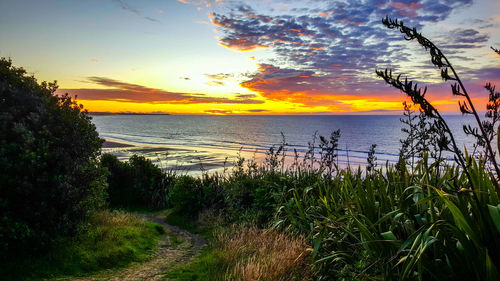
{"points": [[109, 239], [53, 187], [50, 176], [209, 266], [395, 224], [136, 183], [421, 219]]}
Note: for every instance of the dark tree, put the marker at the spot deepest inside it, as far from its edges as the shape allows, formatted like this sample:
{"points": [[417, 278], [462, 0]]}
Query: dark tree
{"points": [[50, 179]]}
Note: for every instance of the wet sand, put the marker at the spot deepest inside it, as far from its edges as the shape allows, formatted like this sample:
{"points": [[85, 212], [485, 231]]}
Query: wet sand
{"points": [[183, 160], [114, 144]]}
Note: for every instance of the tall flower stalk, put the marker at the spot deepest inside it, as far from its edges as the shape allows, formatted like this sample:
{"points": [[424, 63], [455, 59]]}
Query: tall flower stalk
{"points": [[417, 95]]}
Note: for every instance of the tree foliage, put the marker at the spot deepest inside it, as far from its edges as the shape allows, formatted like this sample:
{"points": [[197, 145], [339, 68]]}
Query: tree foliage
{"points": [[136, 183], [49, 175]]}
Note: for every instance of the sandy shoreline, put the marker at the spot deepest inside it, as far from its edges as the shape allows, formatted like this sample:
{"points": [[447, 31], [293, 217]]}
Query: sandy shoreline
{"points": [[114, 144], [185, 160]]}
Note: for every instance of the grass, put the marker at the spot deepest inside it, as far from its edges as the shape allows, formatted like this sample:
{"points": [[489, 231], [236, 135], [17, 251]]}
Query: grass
{"points": [[110, 239], [178, 220], [249, 254], [256, 254], [209, 266], [243, 253]]}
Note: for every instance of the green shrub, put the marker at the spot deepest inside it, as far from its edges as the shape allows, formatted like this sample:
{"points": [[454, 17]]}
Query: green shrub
{"points": [[135, 183], [50, 179], [120, 181], [186, 195]]}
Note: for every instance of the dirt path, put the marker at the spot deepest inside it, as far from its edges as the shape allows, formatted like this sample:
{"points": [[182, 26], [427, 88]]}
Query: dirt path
{"points": [[178, 246]]}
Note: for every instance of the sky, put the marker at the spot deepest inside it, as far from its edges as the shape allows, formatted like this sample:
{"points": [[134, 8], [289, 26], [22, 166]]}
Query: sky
{"points": [[249, 57]]}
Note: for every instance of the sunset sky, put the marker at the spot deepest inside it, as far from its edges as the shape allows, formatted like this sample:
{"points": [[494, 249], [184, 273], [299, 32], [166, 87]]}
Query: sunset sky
{"points": [[247, 57]]}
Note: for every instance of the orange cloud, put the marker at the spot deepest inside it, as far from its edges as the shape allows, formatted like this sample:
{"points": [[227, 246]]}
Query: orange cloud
{"points": [[241, 45], [119, 91], [408, 10], [403, 6]]}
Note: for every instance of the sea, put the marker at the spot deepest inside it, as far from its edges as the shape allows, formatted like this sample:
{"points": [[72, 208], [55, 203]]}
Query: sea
{"points": [[206, 143]]}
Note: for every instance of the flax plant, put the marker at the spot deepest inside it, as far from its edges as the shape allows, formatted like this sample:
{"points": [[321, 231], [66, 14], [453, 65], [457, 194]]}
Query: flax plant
{"points": [[417, 95], [430, 223]]}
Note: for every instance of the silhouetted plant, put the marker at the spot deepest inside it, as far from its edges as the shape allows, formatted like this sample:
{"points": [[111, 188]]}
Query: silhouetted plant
{"points": [[371, 160], [445, 137], [308, 161], [408, 145], [273, 155], [417, 95], [489, 124], [495, 50], [421, 136], [328, 152]]}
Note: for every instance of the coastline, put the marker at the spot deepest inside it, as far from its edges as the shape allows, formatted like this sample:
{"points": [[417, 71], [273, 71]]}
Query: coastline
{"points": [[184, 160], [115, 144]]}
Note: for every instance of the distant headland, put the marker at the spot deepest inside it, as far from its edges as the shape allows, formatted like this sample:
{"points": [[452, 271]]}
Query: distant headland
{"points": [[127, 113]]}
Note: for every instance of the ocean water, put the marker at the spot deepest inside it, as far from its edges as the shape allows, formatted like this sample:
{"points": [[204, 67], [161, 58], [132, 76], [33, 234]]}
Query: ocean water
{"points": [[200, 142]]}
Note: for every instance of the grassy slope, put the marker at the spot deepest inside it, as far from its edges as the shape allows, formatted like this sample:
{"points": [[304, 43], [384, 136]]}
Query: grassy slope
{"points": [[112, 239]]}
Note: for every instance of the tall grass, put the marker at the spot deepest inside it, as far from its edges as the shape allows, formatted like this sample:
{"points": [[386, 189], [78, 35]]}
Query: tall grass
{"points": [[255, 254]]}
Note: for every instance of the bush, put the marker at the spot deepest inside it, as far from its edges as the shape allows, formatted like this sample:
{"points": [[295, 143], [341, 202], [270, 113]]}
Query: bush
{"points": [[50, 179], [186, 195], [135, 183]]}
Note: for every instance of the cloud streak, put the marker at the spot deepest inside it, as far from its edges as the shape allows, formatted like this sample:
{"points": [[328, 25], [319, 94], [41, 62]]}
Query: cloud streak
{"points": [[127, 92], [126, 7]]}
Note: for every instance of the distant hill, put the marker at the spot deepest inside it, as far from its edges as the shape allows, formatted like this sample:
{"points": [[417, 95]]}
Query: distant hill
{"points": [[125, 113]]}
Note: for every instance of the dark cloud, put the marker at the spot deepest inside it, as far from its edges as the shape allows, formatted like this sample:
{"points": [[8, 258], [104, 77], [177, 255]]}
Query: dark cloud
{"points": [[127, 92], [215, 83], [257, 110], [219, 76], [483, 74], [468, 36], [151, 19], [246, 96], [218, 111], [458, 39], [124, 6], [127, 7]]}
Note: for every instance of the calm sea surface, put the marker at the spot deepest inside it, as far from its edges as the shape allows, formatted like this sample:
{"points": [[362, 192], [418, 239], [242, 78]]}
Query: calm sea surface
{"points": [[194, 142]]}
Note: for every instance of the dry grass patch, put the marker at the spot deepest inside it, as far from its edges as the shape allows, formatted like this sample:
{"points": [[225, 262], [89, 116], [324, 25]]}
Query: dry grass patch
{"points": [[115, 218], [255, 254]]}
